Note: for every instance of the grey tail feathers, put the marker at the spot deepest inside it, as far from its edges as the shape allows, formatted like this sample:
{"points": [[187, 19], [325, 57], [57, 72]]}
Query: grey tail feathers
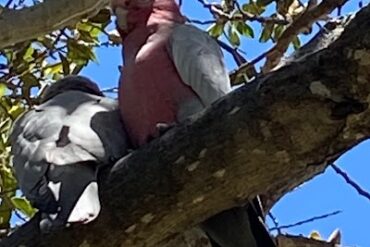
{"points": [[238, 227]]}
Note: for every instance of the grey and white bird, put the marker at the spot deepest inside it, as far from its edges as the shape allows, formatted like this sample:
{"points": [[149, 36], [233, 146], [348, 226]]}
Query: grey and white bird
{"points": [[58, 147]]}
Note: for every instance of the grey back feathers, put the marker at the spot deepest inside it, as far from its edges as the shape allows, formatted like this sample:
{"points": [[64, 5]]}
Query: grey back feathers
{"points": [[199, 62], [68, 83], [58, 145]]}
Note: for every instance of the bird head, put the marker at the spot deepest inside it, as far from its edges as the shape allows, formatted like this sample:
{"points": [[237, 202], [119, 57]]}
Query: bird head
{"points": [[131, 12], [71, 82]]}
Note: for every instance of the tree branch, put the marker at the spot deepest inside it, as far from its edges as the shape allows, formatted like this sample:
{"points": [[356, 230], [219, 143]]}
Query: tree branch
{"points": [[264, 138], [28, 23], [305, 20], [302, 222], [351, 182]]}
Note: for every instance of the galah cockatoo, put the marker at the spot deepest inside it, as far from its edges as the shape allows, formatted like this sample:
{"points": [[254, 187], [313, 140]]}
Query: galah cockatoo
{"points": [[59, 145], [171, 71]]}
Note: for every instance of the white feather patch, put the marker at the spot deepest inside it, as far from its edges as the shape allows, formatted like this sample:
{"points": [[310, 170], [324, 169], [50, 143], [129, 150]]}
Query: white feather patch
{"points": [[87, 207], [55, 188]]}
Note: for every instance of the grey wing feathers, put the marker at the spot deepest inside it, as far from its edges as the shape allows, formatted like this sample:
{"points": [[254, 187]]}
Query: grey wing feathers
{"points": [[199, 62], [65, 130]]}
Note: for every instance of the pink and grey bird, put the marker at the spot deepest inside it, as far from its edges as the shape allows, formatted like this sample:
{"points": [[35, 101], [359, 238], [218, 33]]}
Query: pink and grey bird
{"points": [[171, 71], [58, 147]]}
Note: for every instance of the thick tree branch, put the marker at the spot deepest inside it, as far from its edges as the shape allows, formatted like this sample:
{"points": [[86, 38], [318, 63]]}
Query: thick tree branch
{"points": [[264, 138], [28, 23]]}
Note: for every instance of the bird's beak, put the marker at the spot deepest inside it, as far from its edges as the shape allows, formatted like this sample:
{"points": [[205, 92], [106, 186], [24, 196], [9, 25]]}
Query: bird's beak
{"points": [[121, 15]]}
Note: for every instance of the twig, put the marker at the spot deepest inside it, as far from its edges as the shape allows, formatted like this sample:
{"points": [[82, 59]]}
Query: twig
{"points": [[305, 20], [239, 59], [249, 17], [20, 216], [218, 13], [349, 181], [199, 22], [305, 221], [7, 5], [245, 68], [275, 221]]}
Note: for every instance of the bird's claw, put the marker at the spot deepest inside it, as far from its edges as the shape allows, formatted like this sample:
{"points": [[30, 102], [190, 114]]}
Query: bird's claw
{"points": [[163, 127]]}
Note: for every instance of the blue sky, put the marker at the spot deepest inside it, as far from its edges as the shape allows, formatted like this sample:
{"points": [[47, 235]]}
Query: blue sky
{"points": [[323, 194]]}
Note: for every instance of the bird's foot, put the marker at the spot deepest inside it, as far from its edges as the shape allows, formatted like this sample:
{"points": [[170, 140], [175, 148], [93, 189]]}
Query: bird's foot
{"points": [[164, 127], [49, 223]]}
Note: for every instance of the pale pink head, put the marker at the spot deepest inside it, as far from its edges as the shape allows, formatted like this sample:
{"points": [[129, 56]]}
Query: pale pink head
{"points": [[131, 13]]}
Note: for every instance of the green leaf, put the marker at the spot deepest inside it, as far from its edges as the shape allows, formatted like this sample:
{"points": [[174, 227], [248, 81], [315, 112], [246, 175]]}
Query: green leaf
{"points": [[266, 32], [296, 43], [253, 8], [216, 29], [102, 17], [24, 206], [244, 29], [16, 110], [279, 29], [233, 36], [8, 182], [52, 69], [5, 215], [2, 89], [28, 55], [79, 52], [93, 30]]}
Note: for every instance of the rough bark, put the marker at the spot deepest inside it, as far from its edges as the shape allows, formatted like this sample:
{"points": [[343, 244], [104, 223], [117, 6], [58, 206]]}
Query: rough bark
{"points": [[45, 17], [264, 138]]}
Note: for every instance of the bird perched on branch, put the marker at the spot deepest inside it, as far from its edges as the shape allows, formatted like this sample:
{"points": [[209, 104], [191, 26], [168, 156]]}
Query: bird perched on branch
{"points": [[58, 147], [171, 71]]}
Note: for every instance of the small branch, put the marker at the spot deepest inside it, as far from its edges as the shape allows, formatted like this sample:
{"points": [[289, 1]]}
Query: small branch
{"points": [[238, 58], [275, 221], [249, 17], [219, 14], [305, 221], [7, 5], [349, 181], [309, 17], [251, 71], [245, 68], [327, 34], [199, 22], [20, 216]]}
